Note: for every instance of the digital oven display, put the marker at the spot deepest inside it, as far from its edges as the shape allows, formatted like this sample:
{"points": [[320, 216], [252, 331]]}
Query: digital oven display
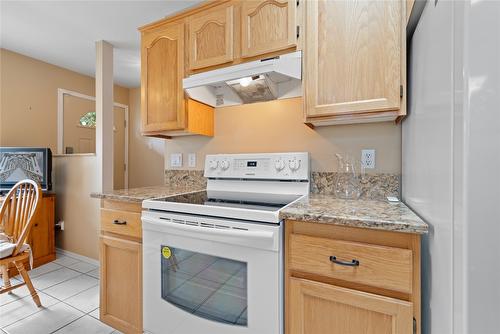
{"points": [[251, 163]]}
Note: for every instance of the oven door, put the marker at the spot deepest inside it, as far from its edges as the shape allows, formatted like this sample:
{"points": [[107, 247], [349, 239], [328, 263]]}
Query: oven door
{"points": [[211, 276]]}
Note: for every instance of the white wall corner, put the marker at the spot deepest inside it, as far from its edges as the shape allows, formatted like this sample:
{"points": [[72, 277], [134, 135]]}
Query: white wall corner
{"points": [[104, 113]]}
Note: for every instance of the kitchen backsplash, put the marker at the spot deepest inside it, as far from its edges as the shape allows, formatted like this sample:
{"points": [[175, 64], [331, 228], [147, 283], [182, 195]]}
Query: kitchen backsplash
{"points": [[373, 186], [185, 178]]}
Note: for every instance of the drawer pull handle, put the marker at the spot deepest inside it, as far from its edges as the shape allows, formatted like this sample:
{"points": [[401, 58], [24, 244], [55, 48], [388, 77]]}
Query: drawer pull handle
{"points": [[119, 222], [353, 263]]}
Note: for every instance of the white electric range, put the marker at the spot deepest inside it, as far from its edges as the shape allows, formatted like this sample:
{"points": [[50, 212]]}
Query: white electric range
{"points": [[212, 259]]}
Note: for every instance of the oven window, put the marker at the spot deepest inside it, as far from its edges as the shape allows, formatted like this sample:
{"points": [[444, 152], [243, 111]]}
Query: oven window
{"points": [[208, 286]]}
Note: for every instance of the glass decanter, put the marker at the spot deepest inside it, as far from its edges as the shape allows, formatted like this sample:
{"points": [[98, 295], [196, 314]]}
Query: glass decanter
{"points": [[347, 184]]}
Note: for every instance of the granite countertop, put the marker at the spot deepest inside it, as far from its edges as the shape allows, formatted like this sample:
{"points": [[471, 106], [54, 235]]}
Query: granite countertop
{"points": [[381, 215], [143, 193], [318, 208]]}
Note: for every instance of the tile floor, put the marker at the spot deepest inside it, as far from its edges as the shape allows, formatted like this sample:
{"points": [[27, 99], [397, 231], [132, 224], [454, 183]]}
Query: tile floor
{"points": [[69, 292]]}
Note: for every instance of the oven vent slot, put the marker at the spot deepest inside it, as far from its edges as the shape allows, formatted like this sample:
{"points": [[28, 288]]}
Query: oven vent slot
{"points": [[202, 224], [222, 227]]}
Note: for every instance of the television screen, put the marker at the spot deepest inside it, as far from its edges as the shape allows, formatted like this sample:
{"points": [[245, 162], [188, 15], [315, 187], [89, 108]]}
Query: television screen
{"points": [[19, 163]]}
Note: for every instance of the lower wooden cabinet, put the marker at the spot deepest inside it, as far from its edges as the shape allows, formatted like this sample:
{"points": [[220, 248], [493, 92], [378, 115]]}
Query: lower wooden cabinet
{"points": [[342, 279], [323, 308], [121, 288], [42, 236], [121, 267]]}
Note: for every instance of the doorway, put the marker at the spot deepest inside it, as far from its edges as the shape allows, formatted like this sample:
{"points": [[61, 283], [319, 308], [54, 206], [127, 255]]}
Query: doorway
{"points": [[76, 131]]}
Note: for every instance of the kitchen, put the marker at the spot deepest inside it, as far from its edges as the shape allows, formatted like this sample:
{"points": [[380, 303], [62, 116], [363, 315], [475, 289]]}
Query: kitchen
{"points": [[294, 194]]}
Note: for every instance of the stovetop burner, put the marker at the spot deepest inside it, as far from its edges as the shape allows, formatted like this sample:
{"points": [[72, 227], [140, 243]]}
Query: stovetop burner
{"points": [[241, 200]]}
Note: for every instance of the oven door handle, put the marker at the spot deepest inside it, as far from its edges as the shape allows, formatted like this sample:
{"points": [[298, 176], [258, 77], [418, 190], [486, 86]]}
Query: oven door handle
{"points": [[222, 232]]}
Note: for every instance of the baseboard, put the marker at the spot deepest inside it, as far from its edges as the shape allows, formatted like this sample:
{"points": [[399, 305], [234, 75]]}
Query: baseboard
{"points": [[77, 256]]}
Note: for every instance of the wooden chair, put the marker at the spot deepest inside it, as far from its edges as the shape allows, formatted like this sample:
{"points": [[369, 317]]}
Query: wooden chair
{"points": [[16, 218]]}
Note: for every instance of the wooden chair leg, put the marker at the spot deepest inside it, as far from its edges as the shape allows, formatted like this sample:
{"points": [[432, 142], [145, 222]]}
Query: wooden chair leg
{"points": [[27, 280], [5, 277]]}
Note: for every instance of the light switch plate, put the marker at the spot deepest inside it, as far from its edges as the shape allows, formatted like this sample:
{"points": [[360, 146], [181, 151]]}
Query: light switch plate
{"points": [[192, 160], [176, 160]]}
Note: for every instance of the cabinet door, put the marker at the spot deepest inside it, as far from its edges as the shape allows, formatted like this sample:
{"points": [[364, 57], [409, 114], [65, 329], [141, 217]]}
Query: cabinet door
{"points": [[267, 26], [162, 70], [318, 308], [353, 56], [121, 284], [42, 232], [211, 38]]}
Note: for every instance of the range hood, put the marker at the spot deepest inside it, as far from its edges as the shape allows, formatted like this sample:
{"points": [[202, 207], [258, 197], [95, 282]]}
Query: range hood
{"points": [[257, 81]]}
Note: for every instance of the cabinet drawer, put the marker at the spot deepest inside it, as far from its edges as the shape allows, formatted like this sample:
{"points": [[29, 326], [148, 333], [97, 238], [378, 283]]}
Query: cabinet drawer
{"points": [[121, 222], [379, 266]]}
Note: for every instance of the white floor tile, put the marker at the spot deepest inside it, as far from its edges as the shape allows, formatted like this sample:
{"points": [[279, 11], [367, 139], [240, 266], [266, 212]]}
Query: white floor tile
{"points": [[64, 260], [86, 325], [95, 313], [46, 268], [94, 273], [83, 267], [71, 287], [54, 277], [21, 308], [46, 321], [15, 294], [85, 301]]}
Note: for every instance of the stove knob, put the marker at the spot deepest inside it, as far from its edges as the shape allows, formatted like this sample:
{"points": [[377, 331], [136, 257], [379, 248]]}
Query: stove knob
{"points": [[224, 164], [294, 164], [213, 164], [279, 165]]}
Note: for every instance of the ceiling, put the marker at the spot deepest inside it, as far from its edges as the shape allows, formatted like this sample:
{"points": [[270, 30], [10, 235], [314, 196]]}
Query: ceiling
{"points": [[64, 33]]}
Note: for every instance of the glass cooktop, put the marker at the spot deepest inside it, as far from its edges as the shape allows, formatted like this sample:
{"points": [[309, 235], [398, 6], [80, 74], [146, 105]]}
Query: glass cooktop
{"points": [[241, 200]]}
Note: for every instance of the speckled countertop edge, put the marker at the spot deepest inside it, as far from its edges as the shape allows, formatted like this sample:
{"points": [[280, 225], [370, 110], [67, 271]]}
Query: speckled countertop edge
{"points": [[140, 194], [372, 214], [315, 208]]}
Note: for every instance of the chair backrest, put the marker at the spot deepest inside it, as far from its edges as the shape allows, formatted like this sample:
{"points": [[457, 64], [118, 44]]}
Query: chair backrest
{"points": [[18, 209]]}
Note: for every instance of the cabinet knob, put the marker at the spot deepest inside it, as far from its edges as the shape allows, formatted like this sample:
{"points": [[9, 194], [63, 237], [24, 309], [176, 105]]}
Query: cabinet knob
{"points": [[119, 222], [353, 263]]}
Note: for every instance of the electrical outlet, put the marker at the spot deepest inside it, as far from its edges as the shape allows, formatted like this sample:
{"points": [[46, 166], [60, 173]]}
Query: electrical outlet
{"points": [[192, 160], [176, 160], [368, 158]]}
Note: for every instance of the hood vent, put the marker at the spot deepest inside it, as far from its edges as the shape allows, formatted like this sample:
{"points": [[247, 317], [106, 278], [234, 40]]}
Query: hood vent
{"points": [[256, 81]]}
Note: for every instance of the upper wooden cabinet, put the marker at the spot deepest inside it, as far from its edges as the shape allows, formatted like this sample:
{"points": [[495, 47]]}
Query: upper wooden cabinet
{"points": [[211, 37], [267, 26], [165, 112], [354, 57], [354, 60], [162, 70]]}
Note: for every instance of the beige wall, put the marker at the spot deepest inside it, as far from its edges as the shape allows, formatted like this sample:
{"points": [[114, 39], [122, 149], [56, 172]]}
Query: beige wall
{"points": [[146, 154], [29, 99], [28, 109], [278, 126]]}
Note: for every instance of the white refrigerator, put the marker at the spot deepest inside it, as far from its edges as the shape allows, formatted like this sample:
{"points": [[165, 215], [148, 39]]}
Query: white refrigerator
{"points": [[451, 163]]}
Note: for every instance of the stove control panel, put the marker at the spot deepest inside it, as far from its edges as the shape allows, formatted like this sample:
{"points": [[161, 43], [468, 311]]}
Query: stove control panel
{"points": [[275, 166]]}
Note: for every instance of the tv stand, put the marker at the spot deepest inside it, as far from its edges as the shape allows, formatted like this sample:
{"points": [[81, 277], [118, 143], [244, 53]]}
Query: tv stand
{"points": [[42, 236]]}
